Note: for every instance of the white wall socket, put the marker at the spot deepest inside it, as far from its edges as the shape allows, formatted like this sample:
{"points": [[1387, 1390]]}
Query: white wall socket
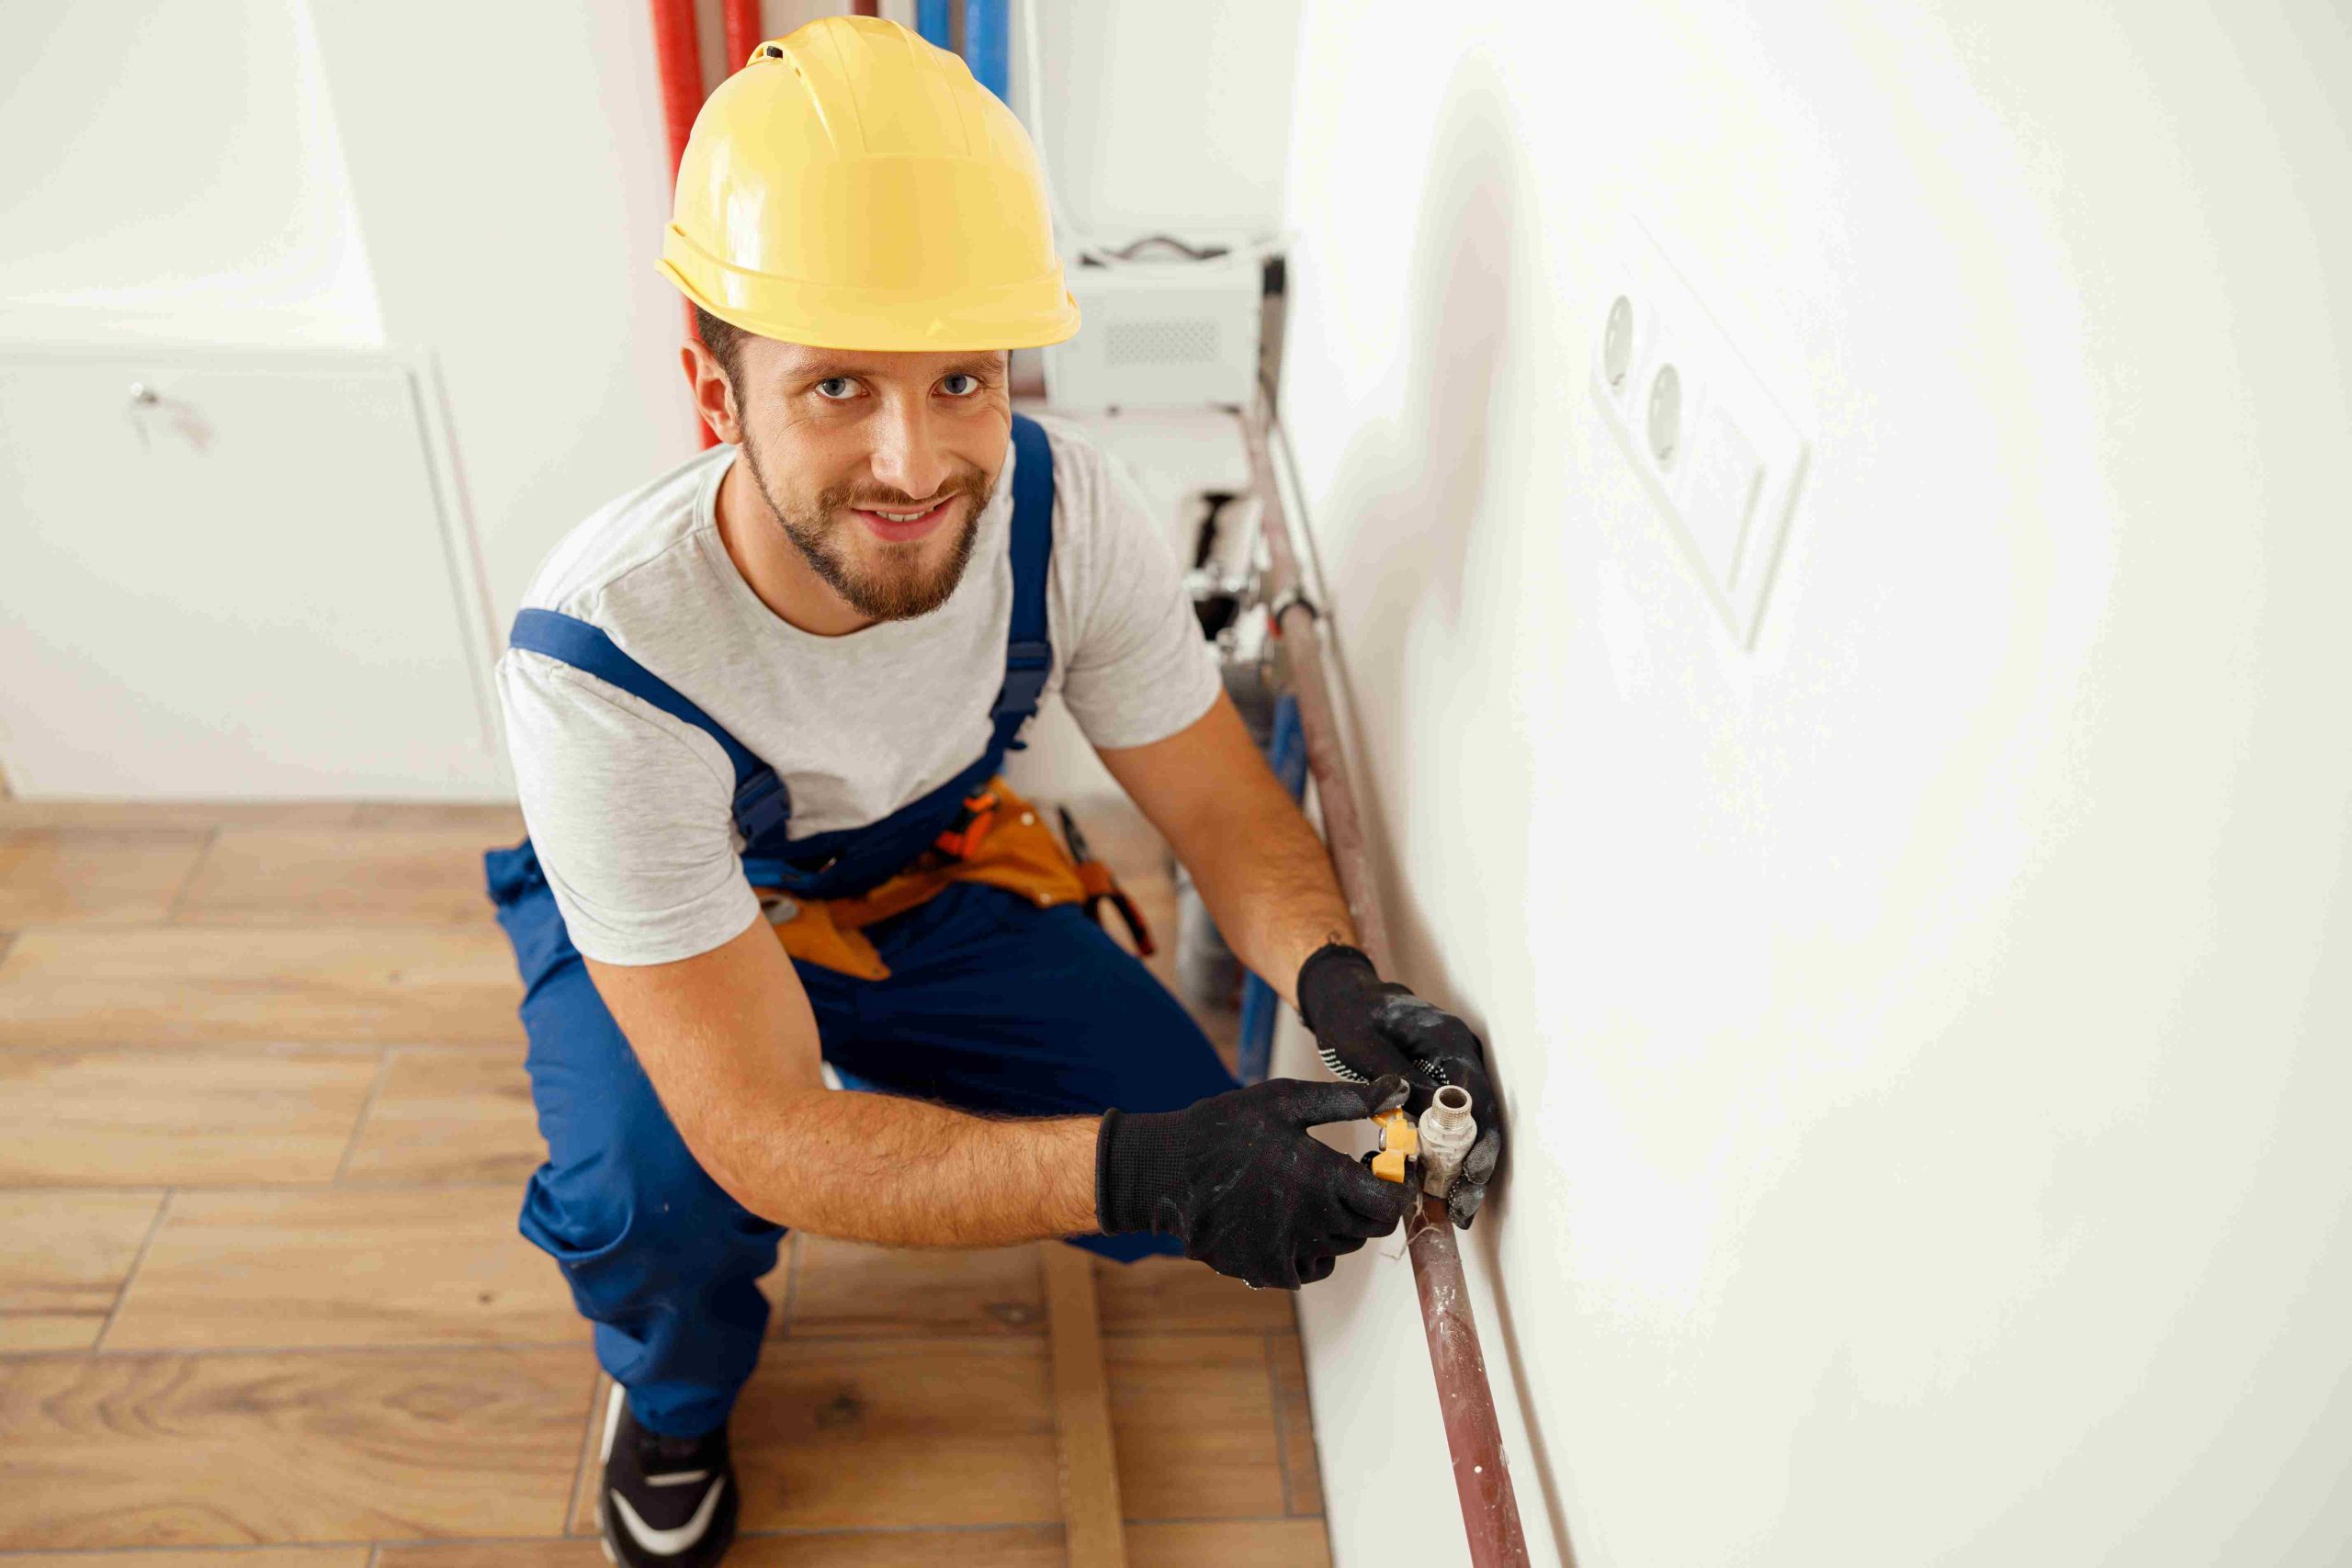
{"points": [[1712, 445]]}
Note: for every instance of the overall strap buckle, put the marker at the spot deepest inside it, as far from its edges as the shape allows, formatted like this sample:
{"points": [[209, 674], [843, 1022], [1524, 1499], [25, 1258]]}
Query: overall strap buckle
{"points": [[1028, 647], [762, 805], [1026, 666]]}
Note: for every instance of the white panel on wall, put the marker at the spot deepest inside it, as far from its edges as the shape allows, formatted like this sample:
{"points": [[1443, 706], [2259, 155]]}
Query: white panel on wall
{"points": [[234, 576], [1707, 438]]}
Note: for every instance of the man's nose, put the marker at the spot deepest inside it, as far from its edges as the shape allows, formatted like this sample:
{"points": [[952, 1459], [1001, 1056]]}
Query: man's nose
{"points": [[907, 456]]}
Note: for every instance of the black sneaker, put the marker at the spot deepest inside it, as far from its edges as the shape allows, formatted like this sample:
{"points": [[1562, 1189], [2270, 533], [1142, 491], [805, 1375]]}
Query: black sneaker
{"points": [[666, 1502]]}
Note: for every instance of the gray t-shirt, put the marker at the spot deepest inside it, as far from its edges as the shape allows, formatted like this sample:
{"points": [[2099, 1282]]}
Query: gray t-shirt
{"points": [[629, 807]]}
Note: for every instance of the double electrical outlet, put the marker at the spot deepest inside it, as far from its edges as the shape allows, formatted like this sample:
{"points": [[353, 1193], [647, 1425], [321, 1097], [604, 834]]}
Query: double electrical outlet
{"points": [[1713, 447]]}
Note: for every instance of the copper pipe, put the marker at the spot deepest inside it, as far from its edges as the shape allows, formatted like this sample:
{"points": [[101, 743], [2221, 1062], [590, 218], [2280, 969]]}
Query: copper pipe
{"points": [[1466, 1400], [1472, 1435]]}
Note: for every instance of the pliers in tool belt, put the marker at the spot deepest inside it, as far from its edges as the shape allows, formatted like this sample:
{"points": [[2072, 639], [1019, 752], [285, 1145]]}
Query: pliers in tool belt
{"points": [[1102, 887]]}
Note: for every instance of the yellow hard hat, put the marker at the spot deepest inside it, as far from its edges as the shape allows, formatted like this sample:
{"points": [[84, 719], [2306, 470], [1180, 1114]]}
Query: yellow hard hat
{"points": [[853, 186]]}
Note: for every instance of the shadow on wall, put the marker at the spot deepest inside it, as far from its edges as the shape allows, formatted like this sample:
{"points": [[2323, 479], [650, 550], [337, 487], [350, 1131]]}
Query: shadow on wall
{"points": [[1413, 487]]}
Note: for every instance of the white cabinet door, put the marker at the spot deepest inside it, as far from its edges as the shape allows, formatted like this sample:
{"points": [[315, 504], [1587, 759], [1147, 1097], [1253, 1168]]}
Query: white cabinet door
{"points": [[229, 576]]}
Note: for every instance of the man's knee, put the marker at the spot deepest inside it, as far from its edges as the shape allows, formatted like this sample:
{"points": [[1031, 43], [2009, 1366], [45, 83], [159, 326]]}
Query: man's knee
{"points": [[1170, 1063]]}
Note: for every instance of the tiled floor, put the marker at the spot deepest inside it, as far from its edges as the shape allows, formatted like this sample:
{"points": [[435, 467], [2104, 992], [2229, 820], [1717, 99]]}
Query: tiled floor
{"points": [[263, 1127]]}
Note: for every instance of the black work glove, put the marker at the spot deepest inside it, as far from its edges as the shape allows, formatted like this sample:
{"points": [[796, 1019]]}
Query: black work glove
{"points": [[1366, 1027], [1238, 1179]]}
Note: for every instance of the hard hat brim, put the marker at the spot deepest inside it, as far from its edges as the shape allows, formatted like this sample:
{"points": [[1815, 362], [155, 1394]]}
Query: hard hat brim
{"points": [[1030, 314]]}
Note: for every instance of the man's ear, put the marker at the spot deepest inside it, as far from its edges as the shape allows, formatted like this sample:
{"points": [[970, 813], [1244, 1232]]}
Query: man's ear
{"points": [[714, 399]]}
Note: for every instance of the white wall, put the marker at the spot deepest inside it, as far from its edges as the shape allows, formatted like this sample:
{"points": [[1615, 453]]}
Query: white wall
{"points": [[1161, 118], [173, 172], [1926, 1034], [510, 171]]}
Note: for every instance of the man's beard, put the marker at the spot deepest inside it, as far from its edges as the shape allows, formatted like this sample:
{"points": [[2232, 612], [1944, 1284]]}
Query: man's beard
{"points": [[900, 592]]}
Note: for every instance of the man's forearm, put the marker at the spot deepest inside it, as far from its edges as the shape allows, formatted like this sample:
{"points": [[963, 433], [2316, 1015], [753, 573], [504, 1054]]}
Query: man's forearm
{"points": [[907, 1173], [732, 1047], [1261, 868], [1266, 879]]}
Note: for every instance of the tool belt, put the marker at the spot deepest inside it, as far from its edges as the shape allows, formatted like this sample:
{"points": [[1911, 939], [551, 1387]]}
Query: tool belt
{"points": [[999, 839]]}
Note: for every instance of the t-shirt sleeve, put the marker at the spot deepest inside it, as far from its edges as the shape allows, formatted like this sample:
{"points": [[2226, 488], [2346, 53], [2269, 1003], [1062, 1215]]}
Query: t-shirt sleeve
{"points": [[1140, 669], [629, 812]]}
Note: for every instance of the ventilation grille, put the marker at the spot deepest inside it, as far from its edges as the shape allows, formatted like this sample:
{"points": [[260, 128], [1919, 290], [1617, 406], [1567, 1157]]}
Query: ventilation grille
{"points": [[1181, 340]]}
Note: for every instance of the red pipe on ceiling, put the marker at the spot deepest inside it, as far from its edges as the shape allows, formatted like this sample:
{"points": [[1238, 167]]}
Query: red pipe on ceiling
{"points": [[677, 50], [678, 46], [742, 20]]}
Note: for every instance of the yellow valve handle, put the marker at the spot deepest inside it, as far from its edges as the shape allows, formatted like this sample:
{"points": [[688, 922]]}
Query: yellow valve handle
{"points": [[1400, 1140]]}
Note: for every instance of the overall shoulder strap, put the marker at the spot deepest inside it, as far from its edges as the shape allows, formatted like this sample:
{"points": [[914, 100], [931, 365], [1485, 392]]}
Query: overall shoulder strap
{"points": [[1028, 648], [761, 801]]}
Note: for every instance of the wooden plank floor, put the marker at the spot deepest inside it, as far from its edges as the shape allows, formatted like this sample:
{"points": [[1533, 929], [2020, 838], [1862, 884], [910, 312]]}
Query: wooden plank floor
{"points": [[263, 1127]]}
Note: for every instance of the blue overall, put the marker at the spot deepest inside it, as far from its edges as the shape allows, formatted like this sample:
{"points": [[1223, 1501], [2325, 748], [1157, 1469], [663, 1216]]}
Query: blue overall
{"points": [[991, 1004]]}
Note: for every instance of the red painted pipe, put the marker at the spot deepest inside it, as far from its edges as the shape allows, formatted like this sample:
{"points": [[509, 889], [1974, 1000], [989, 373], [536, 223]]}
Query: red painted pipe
{"points": [[677, 45], [677, 50], [742, 20]]}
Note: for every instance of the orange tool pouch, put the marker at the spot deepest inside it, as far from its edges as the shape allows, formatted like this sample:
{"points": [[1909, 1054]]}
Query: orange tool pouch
{"points": [[999, 839]]}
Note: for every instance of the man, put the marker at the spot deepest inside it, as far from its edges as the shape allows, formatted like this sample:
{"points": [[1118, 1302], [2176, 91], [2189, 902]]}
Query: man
{"points": [[757, 710]]}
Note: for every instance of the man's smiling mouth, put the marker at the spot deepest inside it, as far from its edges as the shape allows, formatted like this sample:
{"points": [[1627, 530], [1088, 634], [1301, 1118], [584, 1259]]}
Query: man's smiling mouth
{"points": [[897, 525]]}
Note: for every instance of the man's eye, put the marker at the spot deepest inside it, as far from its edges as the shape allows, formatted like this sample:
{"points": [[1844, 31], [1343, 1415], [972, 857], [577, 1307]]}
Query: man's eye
{"points": [[836, 389], [960, 385]]}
